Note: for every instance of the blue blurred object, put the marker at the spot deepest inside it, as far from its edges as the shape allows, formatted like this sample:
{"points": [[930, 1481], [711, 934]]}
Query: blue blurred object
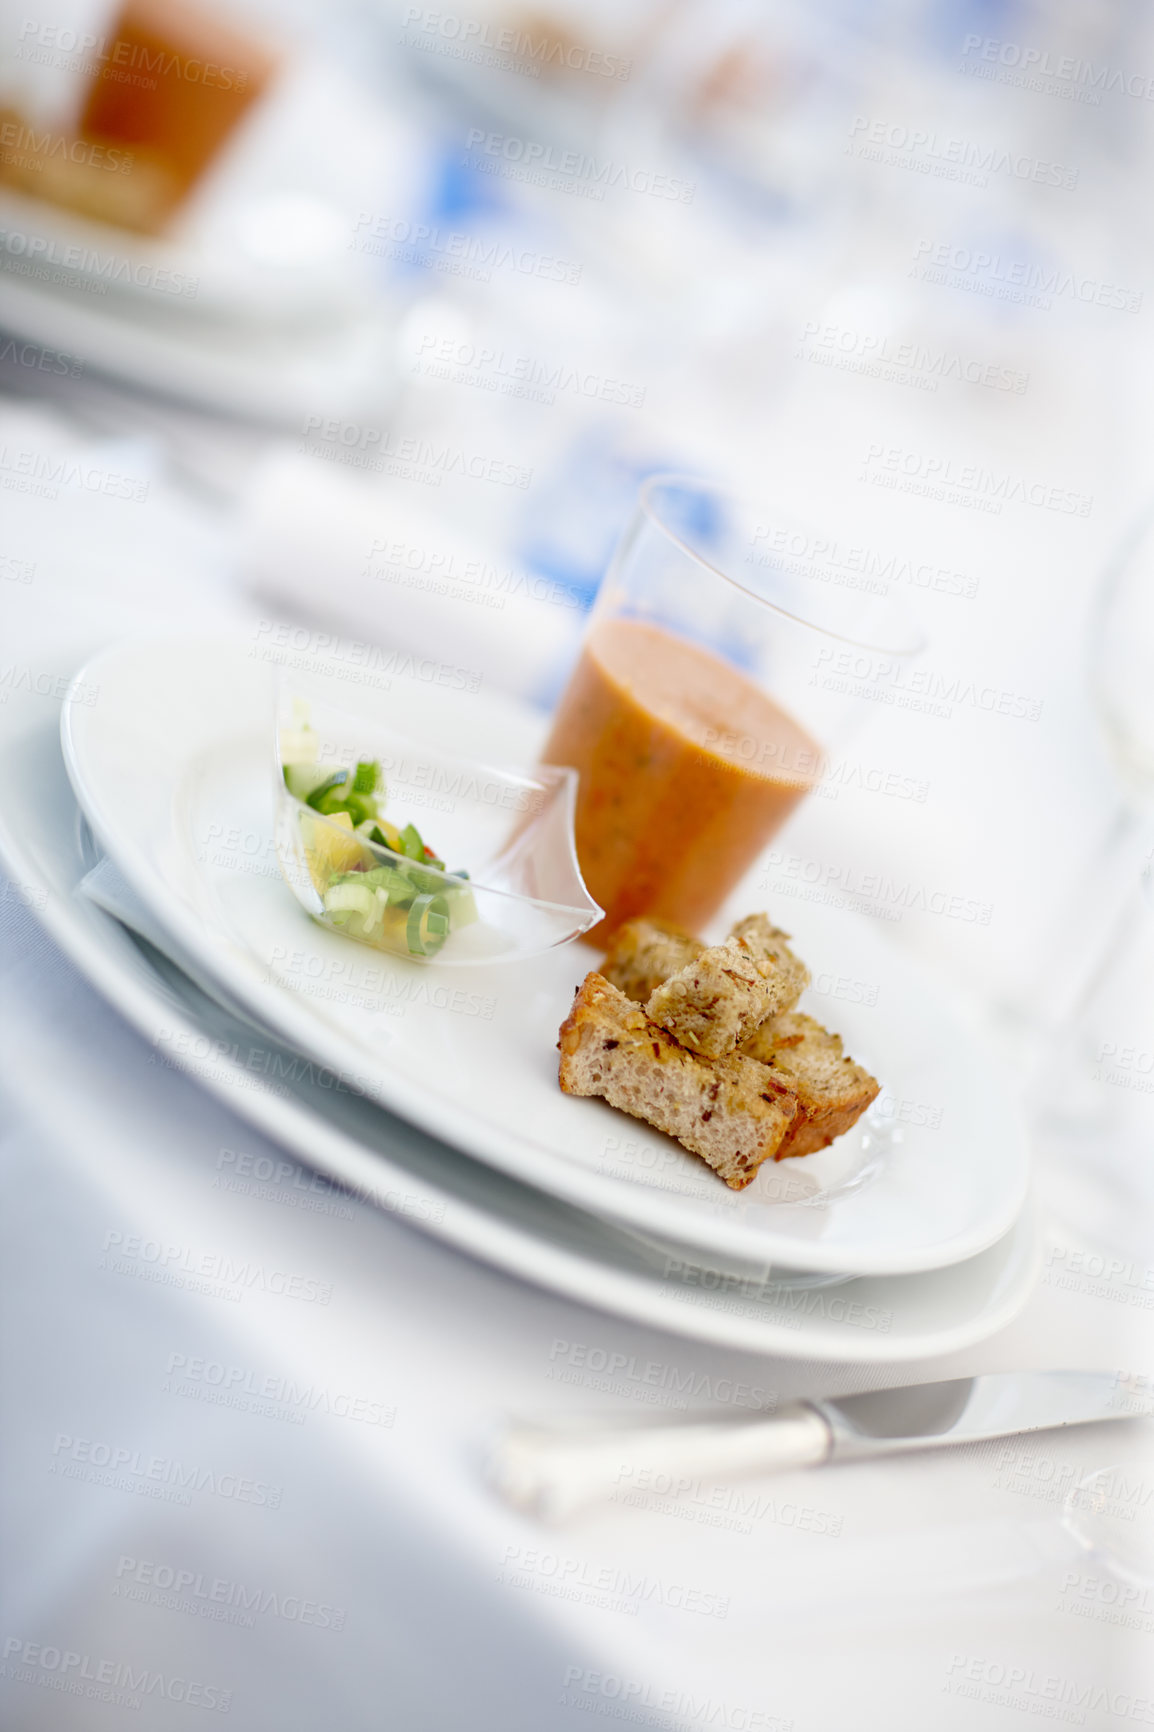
{"points": [[695, 514], [575, 516], [457, 189], [449, 198]]}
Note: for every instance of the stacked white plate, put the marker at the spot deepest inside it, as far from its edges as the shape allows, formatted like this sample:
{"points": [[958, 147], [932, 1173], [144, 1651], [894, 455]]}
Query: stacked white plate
{"points": [[434, 1088]]}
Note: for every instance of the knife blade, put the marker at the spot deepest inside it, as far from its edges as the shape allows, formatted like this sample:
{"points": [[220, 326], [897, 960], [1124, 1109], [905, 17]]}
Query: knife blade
{"points": [[973, 1410], [555, 1470]]}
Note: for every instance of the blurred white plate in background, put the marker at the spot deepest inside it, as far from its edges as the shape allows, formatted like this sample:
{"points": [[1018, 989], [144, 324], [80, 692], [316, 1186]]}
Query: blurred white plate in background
{"points": [[257, 302], [260, 377]]}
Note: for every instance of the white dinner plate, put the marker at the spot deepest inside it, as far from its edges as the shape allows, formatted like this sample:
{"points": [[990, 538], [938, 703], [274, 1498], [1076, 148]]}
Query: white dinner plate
{"points": [[266, 376], [441, 1192], [169, 749]]}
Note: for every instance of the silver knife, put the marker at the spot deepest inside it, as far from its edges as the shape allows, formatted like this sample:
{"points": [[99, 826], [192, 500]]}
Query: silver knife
{"points": [[554, 1470]]}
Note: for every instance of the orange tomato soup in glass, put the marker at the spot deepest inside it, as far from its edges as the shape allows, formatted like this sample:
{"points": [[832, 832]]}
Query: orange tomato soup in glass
{"points": [[178, 79], [686, 770]]}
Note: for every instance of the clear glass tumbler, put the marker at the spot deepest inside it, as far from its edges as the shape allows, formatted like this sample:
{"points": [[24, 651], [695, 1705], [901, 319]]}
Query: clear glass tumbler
{"points": [[729, 649]]}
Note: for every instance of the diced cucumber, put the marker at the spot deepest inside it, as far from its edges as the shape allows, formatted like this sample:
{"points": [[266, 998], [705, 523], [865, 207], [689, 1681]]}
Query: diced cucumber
{"points": [[384, 834], [395, 883], [360, 808], [423, 881], [302, 779], [411, 845], [327, 796]]}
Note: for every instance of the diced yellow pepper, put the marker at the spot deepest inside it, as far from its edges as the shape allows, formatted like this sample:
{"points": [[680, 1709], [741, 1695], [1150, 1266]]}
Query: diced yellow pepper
{"points": [[327, 850]]}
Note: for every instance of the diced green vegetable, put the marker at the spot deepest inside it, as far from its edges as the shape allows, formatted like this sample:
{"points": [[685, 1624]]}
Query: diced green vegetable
{"points": [[407, 892], [359, 808], [357, 907], [325, 798], [302, 779], [397, 884], [428, 925], [411, 845], [424, 881], [346, 896]]}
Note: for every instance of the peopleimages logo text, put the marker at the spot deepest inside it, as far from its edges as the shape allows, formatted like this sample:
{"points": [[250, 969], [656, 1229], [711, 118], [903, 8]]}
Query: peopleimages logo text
{"points": [[241, 1275], [619, 1697], [573, 165], [928, 150], [93, 1676], [119, 53], [109, 267], [1044, 1694], [219, 1592], [1020, 279], [475, 36], [931, 470], [454, 251], [24, 146], [1066, 68]]}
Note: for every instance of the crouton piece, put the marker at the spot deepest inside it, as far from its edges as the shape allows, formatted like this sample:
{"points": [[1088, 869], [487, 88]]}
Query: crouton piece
{"points": [[728, 1110], [646, 952], [716, 1001], [832, 1091]]}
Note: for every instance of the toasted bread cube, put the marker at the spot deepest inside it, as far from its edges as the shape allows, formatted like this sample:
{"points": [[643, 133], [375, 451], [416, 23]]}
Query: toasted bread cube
{"points": [[726, 1110], [716, 1001], [646, 952], [759, 930], [832, 1091]]}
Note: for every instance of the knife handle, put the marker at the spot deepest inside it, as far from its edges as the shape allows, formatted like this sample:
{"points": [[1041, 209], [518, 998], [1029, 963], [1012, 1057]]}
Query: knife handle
{"points": [[552, 1473]]}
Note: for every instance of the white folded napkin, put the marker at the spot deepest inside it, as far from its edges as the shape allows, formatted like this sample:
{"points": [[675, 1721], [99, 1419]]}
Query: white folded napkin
{"points": [[327, 545], [108, 888]]}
